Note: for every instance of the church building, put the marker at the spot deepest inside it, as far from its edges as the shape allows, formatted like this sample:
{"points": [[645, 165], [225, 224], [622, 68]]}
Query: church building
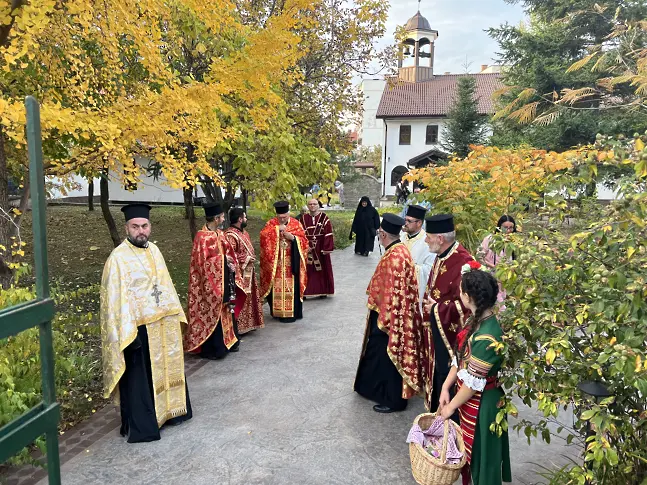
{"points": [[409, 120]]}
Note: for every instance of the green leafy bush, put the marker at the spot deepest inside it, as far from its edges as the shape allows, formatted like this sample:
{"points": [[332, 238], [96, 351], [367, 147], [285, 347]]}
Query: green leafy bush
{"points": [[577, 311], [76, 338]]}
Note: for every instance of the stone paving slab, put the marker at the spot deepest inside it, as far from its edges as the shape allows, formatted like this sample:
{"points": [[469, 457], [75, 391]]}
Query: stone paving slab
{"points": [[282, 411]]}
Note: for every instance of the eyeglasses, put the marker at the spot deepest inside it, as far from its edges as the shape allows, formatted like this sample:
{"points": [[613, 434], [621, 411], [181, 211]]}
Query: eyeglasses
{"points": [[409, 221]]}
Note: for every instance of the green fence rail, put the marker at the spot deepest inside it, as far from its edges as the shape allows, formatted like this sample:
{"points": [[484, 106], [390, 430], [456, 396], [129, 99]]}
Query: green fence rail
{"points": [[43, 418]]}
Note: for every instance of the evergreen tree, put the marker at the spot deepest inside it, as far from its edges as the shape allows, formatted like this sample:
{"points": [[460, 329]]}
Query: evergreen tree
{"points": [[465, 126], [537, 56]]}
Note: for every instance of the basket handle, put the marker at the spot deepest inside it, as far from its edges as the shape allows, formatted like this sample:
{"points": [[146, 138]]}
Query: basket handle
{"points": [[443, 453]]}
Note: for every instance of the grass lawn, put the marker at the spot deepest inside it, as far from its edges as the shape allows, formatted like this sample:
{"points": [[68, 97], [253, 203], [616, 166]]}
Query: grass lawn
{"points": [[79, 242], [78, 246]]}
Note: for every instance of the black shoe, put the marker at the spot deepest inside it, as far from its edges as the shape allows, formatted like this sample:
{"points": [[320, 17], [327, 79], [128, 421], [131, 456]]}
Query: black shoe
{"points": [[235, 348], [322, 297], [214, 357], [381, 408], [365, 254]]}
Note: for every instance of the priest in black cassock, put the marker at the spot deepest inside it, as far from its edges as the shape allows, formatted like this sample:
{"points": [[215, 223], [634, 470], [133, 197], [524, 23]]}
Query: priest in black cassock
{"points": [[390, 366], [141, 336]]}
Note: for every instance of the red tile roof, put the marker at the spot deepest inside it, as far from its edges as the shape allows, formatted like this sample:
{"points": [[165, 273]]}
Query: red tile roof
{"points": [[434, 98]]}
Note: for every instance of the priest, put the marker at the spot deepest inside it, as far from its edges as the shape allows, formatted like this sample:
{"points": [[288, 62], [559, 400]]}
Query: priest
{"points": [[248, 312], [283, 264], [390, 366], [141, 335], [211, 332], [444, 313], [321, 242], [414, 238]]}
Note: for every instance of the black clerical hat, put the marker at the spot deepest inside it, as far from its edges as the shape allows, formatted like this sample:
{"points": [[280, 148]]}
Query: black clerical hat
{"points": [[212, 210], [282, 207], [135, 211], [392, 223], [417, 212], [440, 224]]}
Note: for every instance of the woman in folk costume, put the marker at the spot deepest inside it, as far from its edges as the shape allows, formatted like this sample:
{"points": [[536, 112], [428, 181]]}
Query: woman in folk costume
{"points": [[475, 374], [365, 225]]}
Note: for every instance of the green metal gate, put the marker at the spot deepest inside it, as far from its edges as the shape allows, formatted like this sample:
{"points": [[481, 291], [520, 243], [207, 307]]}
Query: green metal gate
{"points": [[42, 419]]}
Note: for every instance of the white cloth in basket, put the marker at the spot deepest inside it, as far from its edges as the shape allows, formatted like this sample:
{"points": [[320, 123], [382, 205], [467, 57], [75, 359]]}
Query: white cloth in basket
{"points": [[434, 437]]}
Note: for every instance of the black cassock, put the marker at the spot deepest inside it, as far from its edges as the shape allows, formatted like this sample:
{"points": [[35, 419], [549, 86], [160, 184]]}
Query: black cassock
{"points": [[295, 262], [214, 347], [138, 418], [377, 377], [365, 225]]}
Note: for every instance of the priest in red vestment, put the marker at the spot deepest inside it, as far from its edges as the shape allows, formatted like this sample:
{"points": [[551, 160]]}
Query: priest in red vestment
{"points": [[321, 240], [443, 311], [284, 248], [390, 368], [249, 307], [211, 329]]}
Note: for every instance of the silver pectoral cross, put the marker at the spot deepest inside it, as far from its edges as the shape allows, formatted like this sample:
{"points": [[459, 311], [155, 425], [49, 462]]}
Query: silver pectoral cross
{"points": [[156, 294]]}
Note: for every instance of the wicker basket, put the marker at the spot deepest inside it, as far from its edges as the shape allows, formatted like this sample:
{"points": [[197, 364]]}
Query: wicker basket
{"points": [[428, 470]]}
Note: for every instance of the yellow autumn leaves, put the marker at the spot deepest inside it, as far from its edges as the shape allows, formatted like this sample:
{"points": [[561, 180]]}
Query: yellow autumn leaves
{"points": [[108, 91]]}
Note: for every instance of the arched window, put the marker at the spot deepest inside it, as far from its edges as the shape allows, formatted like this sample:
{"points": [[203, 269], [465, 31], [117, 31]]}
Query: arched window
{"points": [[397, 174], [424, 52], [408, 53]]}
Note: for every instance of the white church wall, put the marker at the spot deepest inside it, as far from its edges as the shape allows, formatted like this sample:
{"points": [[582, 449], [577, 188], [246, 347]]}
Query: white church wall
{"points": [[371, 132], [80, 189], [149, 189], [397, 155]]}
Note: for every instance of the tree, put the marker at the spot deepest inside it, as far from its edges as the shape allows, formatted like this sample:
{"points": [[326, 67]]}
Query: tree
{"points": [[371, 155], [577, 303], [465, 126], [488, 183], [338, 46], [544, 103], [108, 93]]}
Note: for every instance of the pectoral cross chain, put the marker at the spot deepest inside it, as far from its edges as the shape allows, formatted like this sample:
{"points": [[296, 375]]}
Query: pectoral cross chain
{"points": [[156, 294]]}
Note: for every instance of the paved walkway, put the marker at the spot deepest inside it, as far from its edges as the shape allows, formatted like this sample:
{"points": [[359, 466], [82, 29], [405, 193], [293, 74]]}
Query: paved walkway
{"points": [[282, 411]]}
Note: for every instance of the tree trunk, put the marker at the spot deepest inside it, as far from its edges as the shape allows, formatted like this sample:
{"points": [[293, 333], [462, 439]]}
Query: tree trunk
{"points": [[6, 274], [244, 194], [91, 195], [105, 209], [189, 211]]}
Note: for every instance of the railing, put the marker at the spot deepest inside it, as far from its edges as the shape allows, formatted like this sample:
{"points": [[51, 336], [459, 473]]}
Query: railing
{"points": [[43, 418]]}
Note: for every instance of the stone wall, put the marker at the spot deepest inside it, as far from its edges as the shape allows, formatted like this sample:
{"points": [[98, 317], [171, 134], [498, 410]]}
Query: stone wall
{"points": [[360, 186]]}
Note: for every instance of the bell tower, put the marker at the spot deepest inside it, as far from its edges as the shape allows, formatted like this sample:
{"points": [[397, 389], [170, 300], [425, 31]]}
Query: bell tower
{"points": [[416, 59]]}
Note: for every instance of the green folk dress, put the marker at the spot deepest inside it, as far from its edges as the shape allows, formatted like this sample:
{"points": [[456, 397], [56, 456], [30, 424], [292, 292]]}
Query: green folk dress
{"points": [[487, 453]]}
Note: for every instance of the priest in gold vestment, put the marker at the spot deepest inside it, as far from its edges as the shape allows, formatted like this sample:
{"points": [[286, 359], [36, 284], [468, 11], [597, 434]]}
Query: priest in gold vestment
{"points": [[141, 335], [284, 247]]}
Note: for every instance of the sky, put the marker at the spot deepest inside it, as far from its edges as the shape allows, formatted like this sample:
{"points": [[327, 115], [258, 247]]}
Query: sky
{"points": [[460, 25]]}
